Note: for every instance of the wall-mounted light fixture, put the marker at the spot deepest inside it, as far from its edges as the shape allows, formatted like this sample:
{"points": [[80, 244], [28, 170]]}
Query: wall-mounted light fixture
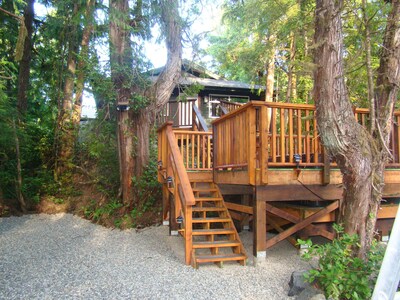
{"points": [[170, 182], [297, 159], [123, 106], [179, 220]]}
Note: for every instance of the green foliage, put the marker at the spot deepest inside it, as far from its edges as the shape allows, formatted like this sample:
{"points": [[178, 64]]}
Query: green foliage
{"points": [[147, 189], [97, 151], [95, 212], [190, 91], [340, 274]]}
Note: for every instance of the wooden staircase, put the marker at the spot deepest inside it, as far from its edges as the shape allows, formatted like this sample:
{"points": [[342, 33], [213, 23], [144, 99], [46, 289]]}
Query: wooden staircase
{"points": [[195, 209], [215, 239]]}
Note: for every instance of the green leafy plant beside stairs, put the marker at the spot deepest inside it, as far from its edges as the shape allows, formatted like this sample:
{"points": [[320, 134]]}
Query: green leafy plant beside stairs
{"points": [[339, 273]]}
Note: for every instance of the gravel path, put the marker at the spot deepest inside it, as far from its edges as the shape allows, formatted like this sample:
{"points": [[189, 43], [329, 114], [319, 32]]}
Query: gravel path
{"points": [[65, 257]]}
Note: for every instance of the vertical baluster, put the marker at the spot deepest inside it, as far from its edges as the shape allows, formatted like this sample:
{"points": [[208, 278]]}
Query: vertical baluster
{"points": [[308, 130], [291, 142], [299, 132], [187, 150], [273, 142], [209, 151], [282, 135], [315, 139], [198, 152]]}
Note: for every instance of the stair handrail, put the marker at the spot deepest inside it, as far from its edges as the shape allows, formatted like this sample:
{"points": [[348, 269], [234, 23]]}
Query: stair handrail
{"points": [[180, 170], [171, 161], [201, 123]]}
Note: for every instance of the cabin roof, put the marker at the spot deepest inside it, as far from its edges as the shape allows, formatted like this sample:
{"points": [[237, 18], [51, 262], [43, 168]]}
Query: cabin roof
{"points": [[193, 73], [188, 79]]}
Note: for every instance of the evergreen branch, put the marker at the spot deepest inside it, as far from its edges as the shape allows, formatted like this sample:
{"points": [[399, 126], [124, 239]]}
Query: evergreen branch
{"points": [[10, 14]]}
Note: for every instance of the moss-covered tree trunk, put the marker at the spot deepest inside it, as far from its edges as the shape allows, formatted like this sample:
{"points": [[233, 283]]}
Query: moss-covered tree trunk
{"points": [[134, 126], [121, 58]]}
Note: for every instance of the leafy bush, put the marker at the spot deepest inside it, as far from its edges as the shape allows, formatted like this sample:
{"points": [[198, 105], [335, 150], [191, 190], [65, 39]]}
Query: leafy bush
{"points": [[340, 274], [147, 190]]}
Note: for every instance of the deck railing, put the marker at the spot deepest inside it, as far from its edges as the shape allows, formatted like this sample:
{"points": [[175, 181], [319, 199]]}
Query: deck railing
{"points": [[229, 106], [196, 149], [171, 163], [179, 112], [262, 135]]}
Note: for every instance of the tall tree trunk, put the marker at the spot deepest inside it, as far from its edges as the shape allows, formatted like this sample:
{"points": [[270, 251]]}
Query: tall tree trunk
{"points": [[82, 63], [386, 94], [24, 65], [360, 155], [367, 43], [291, 91], [347, 141], [64, 131], [141, 125], [134, 153], [166, 82], [269, 91], [121, 58], [20, 196], [161, 91]]}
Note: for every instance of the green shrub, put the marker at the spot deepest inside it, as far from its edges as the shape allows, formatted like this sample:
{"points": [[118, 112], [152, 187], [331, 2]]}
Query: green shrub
{"points": [[340, 274]]}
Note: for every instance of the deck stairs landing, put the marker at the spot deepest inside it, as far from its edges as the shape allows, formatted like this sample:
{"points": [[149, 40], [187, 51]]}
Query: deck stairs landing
{"points": [[215, 239]]}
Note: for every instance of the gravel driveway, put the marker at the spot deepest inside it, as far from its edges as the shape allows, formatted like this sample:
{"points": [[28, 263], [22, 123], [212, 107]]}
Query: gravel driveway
{"points": [[65, 257]]}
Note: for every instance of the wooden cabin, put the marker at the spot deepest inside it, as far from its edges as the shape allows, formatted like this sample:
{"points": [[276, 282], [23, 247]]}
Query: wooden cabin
{"points": [[260, 165], [211, 90]]}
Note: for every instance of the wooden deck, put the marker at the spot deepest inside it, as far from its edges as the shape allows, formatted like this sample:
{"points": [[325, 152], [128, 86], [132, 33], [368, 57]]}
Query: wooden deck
{"points": [[269, 155]]}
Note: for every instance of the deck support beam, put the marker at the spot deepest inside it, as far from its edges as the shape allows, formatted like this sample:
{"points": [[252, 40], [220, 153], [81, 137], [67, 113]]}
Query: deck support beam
{"points": [[173, 225], [259, 228]]}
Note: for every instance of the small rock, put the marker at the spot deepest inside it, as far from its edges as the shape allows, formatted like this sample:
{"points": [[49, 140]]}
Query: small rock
{"points": [[297, 283], [311, 293], [318, 297]]}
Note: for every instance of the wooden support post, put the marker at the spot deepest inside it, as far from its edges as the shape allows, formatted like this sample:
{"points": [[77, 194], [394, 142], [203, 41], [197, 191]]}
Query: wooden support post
{"points": [[245, 223], [259, 228], [188, 235], [165, 204], [173, 226]]}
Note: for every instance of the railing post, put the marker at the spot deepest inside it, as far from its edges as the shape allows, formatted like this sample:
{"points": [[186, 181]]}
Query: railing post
{"points": [[194, 124], [251, 136], [263, 153], [188, 234]]}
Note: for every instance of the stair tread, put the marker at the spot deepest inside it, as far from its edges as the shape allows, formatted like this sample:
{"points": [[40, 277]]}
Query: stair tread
{"points": [[213, 231], [214, 219], [208, 208], [220, 257], [215, 244], [204, 190], [208, 198]]}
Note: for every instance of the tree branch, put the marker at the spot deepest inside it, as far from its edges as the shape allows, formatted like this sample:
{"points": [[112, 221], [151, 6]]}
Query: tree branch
{"points": [[10, 14]]}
